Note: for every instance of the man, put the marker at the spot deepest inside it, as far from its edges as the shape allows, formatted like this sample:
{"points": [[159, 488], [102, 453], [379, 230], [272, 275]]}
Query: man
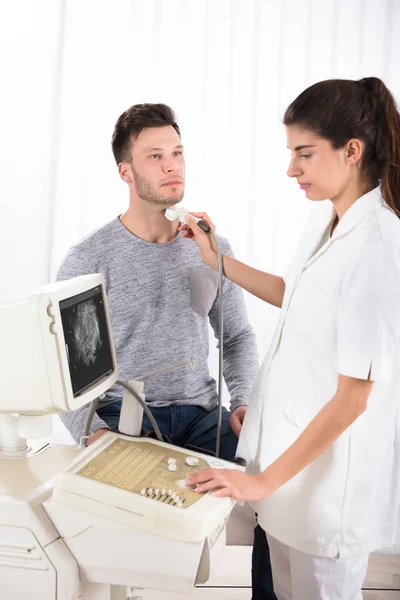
{"points": [[161, 296]]}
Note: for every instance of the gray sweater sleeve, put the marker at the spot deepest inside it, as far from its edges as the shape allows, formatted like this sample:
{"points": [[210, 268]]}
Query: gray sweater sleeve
{"points": [[240, 364], [75, 421]]}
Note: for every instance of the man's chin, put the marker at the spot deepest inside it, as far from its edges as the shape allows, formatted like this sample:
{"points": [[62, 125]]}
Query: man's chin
{"points": [[164, 202], [172, 201]]}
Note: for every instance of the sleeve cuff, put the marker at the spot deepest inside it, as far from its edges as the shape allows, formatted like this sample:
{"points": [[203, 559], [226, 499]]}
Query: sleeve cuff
{"points": [[363, 367], [234, 405], [97, 424]]}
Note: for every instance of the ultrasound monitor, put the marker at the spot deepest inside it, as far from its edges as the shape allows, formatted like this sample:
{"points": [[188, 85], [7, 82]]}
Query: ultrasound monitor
{"points": [[56, 350], [87, 340]]}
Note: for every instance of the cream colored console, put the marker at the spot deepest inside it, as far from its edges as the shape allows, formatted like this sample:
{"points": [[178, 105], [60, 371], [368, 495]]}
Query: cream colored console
{"points": [[124, 513], [139, 482]]}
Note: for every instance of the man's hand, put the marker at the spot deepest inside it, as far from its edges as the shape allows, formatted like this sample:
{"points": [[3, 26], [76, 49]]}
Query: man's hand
{"points": [[237, 418], [95, 436]]}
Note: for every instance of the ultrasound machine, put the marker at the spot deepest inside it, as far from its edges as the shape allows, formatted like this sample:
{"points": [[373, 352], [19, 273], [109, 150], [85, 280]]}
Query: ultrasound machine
{"points": [[95, 523]]}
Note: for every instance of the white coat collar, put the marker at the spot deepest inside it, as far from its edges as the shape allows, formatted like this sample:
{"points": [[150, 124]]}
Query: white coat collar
{"points": [[351, 218], [358, 211]]}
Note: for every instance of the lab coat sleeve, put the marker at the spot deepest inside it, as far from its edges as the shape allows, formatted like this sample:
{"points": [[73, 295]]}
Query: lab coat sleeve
{"points": [[368, 318]]}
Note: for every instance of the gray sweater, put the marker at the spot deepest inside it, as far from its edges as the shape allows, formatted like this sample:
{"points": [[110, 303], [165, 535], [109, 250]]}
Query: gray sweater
{"points": [[160, 298]]}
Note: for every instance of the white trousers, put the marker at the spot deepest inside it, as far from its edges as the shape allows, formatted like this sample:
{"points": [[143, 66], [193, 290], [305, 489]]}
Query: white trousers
{"points": [[300, 576]]}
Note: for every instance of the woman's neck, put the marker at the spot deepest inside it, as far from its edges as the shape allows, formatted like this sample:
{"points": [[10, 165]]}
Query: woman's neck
{"points": [[349, 196]]}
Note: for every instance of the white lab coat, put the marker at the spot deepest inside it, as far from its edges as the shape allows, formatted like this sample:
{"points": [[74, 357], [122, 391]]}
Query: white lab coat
{"points": [[340, 314]]}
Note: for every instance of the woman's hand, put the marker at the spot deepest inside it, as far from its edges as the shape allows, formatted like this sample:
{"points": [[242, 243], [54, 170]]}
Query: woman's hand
{"points": [[229, 482], [203, 240]]}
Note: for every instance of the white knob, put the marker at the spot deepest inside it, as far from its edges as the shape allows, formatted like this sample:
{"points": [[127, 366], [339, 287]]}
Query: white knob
{"points": [[163, 492], [192, 461], [171, 460], [181, 484], [143, 491], [172, 467]]}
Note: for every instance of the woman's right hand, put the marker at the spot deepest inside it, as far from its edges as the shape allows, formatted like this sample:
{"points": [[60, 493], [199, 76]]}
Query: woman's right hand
{"points": [[204, 241]]}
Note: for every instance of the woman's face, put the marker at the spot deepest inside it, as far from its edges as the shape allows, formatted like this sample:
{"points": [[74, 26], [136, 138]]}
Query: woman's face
{"points": [[322, 172]]}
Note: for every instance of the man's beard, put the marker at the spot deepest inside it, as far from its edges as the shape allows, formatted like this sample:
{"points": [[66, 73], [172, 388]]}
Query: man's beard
{"points": [[146, 192]]}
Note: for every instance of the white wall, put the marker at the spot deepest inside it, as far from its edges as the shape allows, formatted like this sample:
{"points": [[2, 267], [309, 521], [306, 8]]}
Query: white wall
{"points": [[30, 45], [229, 68]]}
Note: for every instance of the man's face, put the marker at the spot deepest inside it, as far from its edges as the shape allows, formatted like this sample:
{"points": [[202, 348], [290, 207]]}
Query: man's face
{"points": [[157, 166]]}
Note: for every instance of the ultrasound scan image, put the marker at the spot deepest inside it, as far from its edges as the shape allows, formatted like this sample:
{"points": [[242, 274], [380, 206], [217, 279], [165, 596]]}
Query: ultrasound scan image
{"points": [[87, 341], [85, 328]]}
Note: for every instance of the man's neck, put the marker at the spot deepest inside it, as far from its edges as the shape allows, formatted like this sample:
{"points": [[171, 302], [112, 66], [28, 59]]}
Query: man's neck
{"points": [[149, 225]]}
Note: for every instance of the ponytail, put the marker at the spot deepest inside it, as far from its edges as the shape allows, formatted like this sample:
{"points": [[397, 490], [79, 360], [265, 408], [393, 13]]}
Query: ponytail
{"points": [[387, 140]]}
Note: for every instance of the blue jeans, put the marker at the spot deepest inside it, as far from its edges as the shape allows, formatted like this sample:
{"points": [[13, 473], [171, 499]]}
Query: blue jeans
{"points": [[196, 428], [185, 426]]}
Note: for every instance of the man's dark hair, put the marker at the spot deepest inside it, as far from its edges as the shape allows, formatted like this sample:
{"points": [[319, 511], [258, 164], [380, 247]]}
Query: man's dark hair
{"points": [[133, 121]]}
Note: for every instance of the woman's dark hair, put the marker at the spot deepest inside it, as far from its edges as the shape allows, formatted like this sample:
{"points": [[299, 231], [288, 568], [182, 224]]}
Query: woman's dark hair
{"points": [[133, 121], [341, 109]]}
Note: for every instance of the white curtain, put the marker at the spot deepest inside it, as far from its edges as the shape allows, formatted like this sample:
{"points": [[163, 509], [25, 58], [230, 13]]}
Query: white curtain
{"points": [[228, 68]]}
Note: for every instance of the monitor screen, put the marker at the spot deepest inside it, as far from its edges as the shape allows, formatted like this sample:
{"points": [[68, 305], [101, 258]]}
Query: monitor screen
{"points": [[87, 339]]}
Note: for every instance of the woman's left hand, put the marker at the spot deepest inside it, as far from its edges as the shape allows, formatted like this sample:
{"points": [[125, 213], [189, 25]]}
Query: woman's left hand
{"points": [[229, 482]]}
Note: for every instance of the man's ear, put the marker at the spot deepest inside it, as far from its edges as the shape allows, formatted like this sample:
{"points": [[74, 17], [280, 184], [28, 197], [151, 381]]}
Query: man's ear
{"points": [[125, 172], [354, 150]]}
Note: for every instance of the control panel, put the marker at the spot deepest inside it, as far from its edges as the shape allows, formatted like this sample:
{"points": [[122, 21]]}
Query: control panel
{"points": [[140, 482], [155, 472]]}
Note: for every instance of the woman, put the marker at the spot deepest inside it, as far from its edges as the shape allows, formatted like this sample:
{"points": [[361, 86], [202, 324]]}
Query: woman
{"points": [[321, 434]]}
